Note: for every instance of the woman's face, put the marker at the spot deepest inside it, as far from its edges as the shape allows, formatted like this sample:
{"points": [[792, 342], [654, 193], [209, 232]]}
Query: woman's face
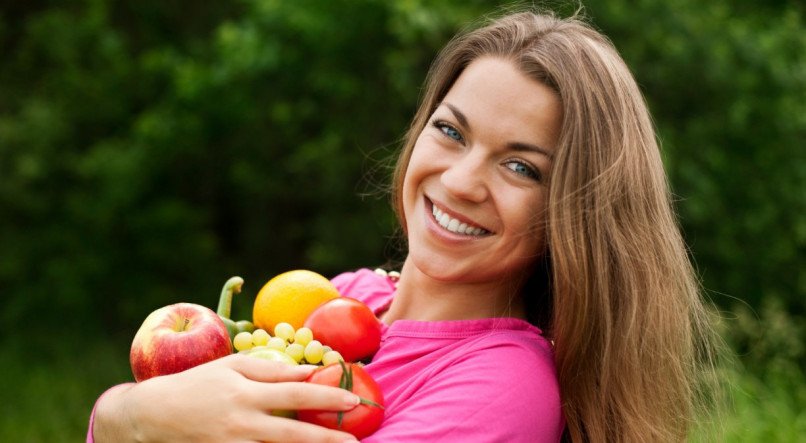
{"points": [[475, 190]]}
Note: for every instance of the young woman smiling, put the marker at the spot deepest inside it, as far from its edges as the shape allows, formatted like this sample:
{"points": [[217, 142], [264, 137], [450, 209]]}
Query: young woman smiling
{"points": [[546, 294], [474, 195]]}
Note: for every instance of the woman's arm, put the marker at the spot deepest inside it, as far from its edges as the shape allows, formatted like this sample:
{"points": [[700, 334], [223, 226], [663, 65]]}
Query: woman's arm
{"points": [[228, 399]]}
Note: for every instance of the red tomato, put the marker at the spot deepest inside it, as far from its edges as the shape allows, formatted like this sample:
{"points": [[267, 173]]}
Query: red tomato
{"points": [[347, 326], [360, 421]]}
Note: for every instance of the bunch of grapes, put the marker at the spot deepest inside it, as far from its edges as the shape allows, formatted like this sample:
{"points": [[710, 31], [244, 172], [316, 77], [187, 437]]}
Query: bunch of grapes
{"points": [[299, 345]]}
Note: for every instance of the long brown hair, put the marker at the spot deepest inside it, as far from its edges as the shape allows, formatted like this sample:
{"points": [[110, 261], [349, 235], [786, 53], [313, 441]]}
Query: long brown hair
{"points": [[631, 330]]}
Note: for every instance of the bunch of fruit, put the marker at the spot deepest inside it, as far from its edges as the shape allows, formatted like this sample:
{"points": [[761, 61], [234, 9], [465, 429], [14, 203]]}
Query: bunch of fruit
{"points": [[298, 345], [295, 306]]}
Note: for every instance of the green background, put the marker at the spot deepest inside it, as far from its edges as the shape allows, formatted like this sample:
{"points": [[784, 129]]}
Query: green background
{"points": [[150, 150]]}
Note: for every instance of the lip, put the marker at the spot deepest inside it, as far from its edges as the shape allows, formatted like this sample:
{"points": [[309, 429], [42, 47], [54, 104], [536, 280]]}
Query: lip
{"points": [[443, 233]]}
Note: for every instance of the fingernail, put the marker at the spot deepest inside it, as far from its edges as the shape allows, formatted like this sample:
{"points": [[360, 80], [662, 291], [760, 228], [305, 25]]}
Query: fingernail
{"points": [[351, 399], [305, 369]]}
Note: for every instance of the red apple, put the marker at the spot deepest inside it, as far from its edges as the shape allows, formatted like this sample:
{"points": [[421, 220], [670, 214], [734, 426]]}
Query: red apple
{"points": [[178, 337]]}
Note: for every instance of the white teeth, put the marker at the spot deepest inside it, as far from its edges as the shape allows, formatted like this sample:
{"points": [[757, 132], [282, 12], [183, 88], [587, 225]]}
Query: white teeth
{"points": [[444, 219], [454, 225]]}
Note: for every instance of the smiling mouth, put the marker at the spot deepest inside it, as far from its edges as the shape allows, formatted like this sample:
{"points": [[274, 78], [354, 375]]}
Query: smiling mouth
{"points": [[456, 226]]}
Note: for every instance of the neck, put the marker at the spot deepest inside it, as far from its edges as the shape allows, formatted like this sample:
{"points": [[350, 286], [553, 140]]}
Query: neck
{"points": [[423, 298]]}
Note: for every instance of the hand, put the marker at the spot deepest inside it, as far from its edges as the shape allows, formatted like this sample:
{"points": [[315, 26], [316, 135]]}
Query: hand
{"points": [[226, 400]]}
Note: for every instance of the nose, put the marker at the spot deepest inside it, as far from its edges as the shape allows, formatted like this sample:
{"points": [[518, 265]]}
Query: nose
{"points": [[466, 178]]}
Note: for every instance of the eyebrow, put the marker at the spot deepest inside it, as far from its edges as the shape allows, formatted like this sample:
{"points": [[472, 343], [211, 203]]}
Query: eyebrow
{"points": [[528, 147], [515, 146], [457, 113]]}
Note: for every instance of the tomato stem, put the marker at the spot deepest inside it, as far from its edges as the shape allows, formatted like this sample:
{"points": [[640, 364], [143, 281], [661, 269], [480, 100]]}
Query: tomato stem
{"points": [[368, 402], [346, 382]]}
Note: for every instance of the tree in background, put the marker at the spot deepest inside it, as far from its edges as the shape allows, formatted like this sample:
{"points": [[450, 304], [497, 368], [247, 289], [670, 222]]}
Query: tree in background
{"points": [[149, 150], [727, 87]]}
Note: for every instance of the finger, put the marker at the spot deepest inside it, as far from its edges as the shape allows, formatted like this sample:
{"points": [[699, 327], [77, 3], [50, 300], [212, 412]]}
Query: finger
{"points": [[277, 429], [296, 396], [268, 371]]}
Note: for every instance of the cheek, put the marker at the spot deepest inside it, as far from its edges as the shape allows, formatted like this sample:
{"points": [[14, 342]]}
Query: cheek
{"points": [[528, 220], [408, 190], [416, 170]]}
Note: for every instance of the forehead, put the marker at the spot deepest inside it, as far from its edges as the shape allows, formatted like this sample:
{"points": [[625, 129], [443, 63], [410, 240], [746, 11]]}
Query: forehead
{"points": [[499, 99]]}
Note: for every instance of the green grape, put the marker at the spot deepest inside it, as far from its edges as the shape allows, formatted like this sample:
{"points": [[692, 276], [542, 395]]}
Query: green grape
{"points": [[284, 331], [331, 357], [313, 352], [260, 337], [242, 341], [303, 336], [295, 351], [277, 343], [272, 355], [326, 349]]}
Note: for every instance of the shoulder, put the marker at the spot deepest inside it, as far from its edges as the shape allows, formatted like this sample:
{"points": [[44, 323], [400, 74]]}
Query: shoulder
{"points": [[517, 353], [367, 286], [506, 344], [517, 387], [505, 378], [513, 371]]}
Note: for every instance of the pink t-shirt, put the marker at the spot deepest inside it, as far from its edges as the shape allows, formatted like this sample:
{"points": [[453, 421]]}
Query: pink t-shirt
{"points": [[487, 380]]}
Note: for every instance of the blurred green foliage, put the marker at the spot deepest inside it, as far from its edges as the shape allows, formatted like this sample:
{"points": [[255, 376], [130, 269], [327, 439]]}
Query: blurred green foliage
{"points": [[150, 150], [726, 82], [148, 153]]}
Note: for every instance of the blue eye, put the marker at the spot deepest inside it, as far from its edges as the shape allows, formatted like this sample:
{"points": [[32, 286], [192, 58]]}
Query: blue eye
{"points": [[448, 130], [452, 133], [523, 169]]}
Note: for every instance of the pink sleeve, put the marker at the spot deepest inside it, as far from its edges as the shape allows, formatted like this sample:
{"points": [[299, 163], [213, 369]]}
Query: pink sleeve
{"points": [[493, 395], [366, 286]]}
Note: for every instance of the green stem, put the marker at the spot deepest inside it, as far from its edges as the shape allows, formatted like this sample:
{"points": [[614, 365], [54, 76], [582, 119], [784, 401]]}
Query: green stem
{"points": [[232, 286], [346, 382]]}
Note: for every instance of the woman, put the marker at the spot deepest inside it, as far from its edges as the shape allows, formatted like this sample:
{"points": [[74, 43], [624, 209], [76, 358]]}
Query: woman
{"points": [[530, 187]]}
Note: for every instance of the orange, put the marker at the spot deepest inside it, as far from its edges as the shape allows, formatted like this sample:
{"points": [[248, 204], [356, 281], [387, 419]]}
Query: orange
{"points": [[290, 297]]}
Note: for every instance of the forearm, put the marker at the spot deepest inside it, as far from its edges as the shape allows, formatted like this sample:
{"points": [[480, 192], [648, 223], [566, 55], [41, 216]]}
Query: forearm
{"points": [[110, 421], [226, 400]]}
